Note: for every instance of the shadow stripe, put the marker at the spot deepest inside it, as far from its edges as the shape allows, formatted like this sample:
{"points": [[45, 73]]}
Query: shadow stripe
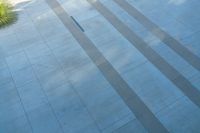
{"points": [[135, 104], [165, 68], [190, 57]]}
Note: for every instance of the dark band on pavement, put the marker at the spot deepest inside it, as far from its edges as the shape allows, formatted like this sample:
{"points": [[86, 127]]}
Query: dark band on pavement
{"points": [[132, 100], [172, 74], [179, 48]]}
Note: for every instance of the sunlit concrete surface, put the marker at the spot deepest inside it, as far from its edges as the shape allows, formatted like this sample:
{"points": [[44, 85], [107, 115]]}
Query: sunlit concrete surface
{"points": [[57, 78]]}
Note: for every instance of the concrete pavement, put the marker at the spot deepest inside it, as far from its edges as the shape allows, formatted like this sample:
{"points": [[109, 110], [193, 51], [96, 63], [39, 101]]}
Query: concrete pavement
{"points": [[104, 70]]}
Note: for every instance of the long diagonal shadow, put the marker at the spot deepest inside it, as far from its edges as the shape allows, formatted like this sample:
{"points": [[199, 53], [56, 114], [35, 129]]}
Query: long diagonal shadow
{"points": [[132, 100]]}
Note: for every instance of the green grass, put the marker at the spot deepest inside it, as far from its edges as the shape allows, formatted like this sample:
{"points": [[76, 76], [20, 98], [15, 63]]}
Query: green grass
{"points": [[7, 15]]}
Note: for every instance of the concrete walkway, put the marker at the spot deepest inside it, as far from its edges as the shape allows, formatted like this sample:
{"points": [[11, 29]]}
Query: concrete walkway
{"points": [[91, 66]]}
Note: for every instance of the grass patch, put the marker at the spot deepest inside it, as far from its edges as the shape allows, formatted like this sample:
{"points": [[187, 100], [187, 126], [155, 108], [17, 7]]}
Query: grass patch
{"points": [[7, 15]]}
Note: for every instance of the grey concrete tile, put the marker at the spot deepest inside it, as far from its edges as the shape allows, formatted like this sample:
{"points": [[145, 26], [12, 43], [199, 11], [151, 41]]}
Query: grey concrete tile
{"points": [[5, 76], [182, 116], [63, 98], [8, 94], [36, 8], [52, 79], [48, 29], [48, 24], [72, 58], [77, 126], [23, 76], [8, 39], [68, 47], [42, 120], [11, 111], [3, 63], [37, 49], [118, 124], [60, 41], [17, 61], [131, 127], [44, 64], [27, 32], [72, 114], [32, 95], [10, 50], [21, 69], [17, 125]]}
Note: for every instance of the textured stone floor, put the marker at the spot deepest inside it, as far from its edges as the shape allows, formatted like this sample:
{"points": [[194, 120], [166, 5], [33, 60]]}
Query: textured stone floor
{"points": [[91, 66]]}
